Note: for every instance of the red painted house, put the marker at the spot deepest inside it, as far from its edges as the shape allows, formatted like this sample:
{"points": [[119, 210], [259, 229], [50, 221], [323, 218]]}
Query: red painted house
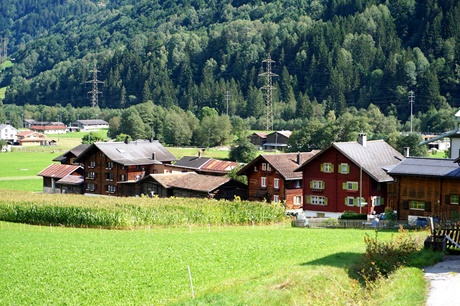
{"points": [[348, 176], [271, 178]]}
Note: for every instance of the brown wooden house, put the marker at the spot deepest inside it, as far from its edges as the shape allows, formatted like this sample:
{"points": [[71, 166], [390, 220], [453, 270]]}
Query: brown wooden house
{"points": [[258, 139], [69, 156], [271, 178], [114, 168], [425, 187], [348, 176], [61, 178], [277, 141]]}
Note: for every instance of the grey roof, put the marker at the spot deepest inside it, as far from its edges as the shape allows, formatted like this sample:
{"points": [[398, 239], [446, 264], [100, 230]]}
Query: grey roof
{"points": [[75, 152], [194, 162], [428, 167], [373, 157], [200, 182], [2, 126], [139, 152], [93, 121]]}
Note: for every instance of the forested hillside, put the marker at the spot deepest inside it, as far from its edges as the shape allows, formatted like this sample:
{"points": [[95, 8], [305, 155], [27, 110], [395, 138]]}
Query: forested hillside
{"points": [[335, 54]]}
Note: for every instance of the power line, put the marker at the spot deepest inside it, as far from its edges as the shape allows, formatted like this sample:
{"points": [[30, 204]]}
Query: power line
{"points": [[411, 101]]}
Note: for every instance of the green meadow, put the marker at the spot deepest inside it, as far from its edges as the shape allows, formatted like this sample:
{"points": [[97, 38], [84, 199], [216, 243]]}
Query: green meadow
{"points": [[209, 265]]}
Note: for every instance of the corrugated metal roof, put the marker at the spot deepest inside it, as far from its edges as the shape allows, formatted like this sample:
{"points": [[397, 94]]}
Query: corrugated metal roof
{"points": [[193, 162], [205, 164], [200, 182], [71, 180], [58, 170], [140, 152], [429, 167], [215, 165], [373, 157], [287, 163]]}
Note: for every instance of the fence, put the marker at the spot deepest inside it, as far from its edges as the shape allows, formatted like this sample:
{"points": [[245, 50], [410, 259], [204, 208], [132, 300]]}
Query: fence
{"points": [[337, 223]]}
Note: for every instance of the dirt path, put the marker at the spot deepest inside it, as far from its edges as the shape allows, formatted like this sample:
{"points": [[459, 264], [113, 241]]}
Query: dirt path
{"points": [[16, 178], [444, 279]]}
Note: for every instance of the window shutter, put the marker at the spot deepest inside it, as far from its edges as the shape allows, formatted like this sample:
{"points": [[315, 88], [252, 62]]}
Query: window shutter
{"points": [[322, 167], [355, 201], [344, 185], [348, 168], [382, 201], [355, 186], [405, 204], [447, 199], [428, 206], [323, 185], [308, 199], [325, 201], [332, 168], [311, 184]]}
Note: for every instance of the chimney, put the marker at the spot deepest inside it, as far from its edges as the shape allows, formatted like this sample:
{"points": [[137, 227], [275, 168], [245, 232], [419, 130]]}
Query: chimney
{"points": [[154, 155], [406, 151], [299, 159], [362, 139], [127, 140]]}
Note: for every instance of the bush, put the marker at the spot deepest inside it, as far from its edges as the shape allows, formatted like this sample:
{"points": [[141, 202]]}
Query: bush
{"points": [[351, 215], [383, 257]]}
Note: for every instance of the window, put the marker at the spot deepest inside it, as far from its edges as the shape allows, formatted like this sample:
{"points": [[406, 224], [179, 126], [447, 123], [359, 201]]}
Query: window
{"points": [[90, 187], [297, 200], [317, 185], [317, 200], [255, 169], [264, 166], [276, 183], [276, 198], [298, 184], [454, 199], [377, 201], [111, 188], [327, 168], [344, 168], [417, 205], [108, 176], [109, 165], [268, 167], [122, 177], [92, 164], [350, 201], [350, 186], [91, 175], [263, 182]]}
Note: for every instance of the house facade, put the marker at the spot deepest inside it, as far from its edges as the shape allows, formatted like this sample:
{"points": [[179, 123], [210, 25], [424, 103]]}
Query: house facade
{"points": [[114, 168], [8, 133], [348, 176], [61, 178], [271, 178], [258, 139], [31, 138], [425, 187], [91, 124], [277, 141]]}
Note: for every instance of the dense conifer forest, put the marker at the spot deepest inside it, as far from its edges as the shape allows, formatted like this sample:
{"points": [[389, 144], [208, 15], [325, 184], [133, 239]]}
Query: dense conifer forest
{"points": [[332, 58]]}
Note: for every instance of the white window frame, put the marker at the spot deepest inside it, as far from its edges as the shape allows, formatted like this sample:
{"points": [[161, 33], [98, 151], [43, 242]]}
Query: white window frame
{"points": [[350, 201], [417, 205], [276, 183], [453, 202], [315, 184], [344, 168], [317, 200], [276, 198], [263, 182], [351, 186], [328, 167], [264, 166], [297, 200]]}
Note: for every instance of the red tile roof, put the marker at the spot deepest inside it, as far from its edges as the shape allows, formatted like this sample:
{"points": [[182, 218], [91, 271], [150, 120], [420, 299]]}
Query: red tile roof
{"points": [[58, 170]]}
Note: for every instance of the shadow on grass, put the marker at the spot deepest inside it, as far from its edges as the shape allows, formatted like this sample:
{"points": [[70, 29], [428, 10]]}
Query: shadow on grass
{"points": [[339, 260]]}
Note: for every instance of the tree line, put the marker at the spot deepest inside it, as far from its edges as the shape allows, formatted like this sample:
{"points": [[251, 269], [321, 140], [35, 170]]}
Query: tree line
{"points": [[335, 55]]}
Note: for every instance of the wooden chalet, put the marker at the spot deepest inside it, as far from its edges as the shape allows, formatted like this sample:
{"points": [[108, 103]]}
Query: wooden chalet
{"points": [[61, 178], [258, 139], [271, 178], [203, 165], [348, 176], [31, 138], [277, 141], [114, 168], [425, 187], [70, 156], [159, 184]]}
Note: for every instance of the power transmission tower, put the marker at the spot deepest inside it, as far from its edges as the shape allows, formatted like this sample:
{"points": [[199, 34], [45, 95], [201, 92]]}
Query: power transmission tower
{"points": [[411, 101], [268, 87], [95, 91], [227, 99], [3, 49]]}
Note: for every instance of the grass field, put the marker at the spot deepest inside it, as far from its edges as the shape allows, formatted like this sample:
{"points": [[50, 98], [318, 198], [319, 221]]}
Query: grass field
{"points": [[268, 265]]}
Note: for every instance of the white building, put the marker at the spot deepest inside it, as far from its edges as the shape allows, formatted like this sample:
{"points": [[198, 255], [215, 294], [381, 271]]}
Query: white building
{"points": [[8, 133]]}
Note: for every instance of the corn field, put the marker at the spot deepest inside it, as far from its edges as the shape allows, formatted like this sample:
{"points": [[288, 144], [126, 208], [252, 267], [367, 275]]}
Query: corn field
{"points": [[124, 213]]}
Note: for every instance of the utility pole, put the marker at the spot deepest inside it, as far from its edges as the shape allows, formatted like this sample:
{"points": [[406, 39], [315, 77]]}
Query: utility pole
{"points": [[3, 49], [411, 101], [95, 91], [227, 99], [268, 87]]}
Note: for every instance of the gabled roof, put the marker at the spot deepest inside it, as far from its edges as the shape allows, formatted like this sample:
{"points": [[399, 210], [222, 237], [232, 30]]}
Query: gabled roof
{"points": [[71, 180], [164, 179], [200, 182], [58, 170], [139, 152], [427, 167], [260, 134], [284, 133], [285, 163], [205, 164], [93, 122], [72, 152], [3, 126], [373, 157]]}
